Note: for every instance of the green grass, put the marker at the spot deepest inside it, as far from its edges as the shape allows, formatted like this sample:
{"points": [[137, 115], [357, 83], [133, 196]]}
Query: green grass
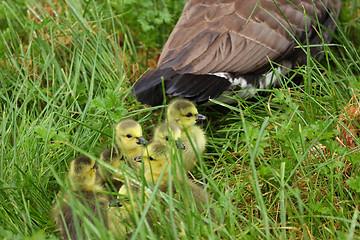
{"points": [[275, 164]]}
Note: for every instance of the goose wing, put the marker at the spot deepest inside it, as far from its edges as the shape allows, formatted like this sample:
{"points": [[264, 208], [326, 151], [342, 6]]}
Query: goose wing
{"points": [[235, 36]]}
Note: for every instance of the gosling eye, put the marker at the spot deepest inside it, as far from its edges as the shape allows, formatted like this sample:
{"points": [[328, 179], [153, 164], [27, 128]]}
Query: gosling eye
{"points": [[189, 115], [167, 138], [129, 136], [151, 158]]}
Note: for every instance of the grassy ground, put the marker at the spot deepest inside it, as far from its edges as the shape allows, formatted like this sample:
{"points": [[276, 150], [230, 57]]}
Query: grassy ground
{"points": [[284, 165]]}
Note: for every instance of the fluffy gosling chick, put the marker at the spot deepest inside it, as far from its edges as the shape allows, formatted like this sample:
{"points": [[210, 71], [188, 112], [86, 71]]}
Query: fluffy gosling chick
{"points": [[120, 223], [184, 113], [120, 214], [106, 178], [156, 160], [201, 195], [130, 143], [123, 212], [166, 132], [129, 139], [84, 190]]}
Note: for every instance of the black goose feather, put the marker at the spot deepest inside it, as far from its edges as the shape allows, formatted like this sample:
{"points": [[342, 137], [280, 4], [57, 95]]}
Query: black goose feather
{"points": [[235, 38]]}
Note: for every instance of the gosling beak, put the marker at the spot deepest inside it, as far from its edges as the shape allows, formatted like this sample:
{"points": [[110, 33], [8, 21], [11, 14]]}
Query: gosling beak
{"points": [[138, 159], [181, 145], [200, 117], [115, 203], [141, 140]]}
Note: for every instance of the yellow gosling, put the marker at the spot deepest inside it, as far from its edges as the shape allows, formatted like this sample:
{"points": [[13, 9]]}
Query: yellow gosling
{"points": [[185, 114], [83, 190]]}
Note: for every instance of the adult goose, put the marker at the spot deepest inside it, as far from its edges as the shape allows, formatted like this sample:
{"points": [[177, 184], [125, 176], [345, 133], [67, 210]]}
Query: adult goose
{"points": [[225, 45]]}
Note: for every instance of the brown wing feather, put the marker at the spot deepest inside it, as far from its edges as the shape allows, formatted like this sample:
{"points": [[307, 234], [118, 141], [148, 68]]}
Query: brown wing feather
{"points": [[237, 35]]}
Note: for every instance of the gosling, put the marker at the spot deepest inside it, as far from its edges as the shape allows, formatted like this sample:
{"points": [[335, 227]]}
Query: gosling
{"points": [[130, 144], [165, 132], [184, 113], [157, 162], [85, 191]]}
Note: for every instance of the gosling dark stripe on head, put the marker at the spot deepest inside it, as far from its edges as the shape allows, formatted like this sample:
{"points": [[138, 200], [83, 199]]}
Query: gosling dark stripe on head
{"points": [[81, 163], [224, 45]]}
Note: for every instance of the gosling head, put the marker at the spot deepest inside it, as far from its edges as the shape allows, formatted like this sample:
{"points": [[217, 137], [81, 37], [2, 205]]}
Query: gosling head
{"points": [[82, 173], [166, 132], [109, 155], [183, 112], [129, 134]]}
